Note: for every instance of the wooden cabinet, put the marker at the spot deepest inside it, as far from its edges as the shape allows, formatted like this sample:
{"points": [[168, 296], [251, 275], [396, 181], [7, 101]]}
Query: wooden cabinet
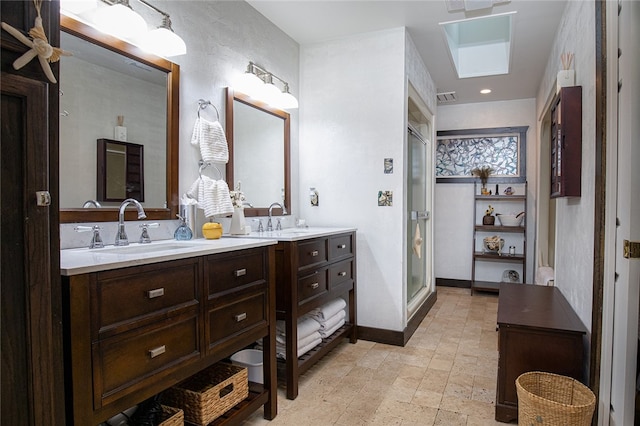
{"points": [[537, 331], [513, 235], [31, 323], [135, 331], [310, 273], [566, 143]]}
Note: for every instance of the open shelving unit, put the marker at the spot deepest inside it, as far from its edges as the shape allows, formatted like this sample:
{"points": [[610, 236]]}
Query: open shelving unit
{"points": [[480, 231]]}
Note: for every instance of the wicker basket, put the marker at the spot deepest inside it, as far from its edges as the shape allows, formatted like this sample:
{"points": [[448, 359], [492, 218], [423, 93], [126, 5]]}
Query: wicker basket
{"points": [[209, 394], [171, 416], [551, 399]]}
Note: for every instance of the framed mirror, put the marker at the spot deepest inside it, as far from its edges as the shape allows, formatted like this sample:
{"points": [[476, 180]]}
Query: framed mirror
{"points": [[259, 161], [132, 74]]}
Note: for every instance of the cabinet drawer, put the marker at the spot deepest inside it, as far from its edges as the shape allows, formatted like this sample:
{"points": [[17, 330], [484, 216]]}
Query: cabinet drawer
{"points": [[312, 252], [312, 286], [124, 361], [233, 319], [230, 271], [340, 272], [124, 295], [340, 246]]}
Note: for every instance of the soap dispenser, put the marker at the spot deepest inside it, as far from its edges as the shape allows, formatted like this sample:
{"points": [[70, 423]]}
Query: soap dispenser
{"points": [[183, 232]]}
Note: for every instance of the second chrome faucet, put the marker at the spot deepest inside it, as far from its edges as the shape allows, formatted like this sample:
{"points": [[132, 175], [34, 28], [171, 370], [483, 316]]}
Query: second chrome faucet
{"points": [[121, 235]]}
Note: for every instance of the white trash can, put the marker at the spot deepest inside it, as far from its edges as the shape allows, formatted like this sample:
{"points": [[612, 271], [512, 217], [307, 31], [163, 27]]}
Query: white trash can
{"points": [[252, 360]]}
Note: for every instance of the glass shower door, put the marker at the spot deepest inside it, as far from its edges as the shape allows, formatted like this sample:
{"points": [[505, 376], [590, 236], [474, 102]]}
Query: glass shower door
{"points": [[418, 217]]}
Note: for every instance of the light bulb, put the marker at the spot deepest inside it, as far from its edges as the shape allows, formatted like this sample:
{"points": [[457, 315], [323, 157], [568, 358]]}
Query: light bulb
{"points": [[287, 100], [163, 42], [120, 21], [269, 94], [248, 83]]}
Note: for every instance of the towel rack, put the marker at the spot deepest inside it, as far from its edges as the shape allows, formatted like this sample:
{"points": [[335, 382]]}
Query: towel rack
{"points": [[204, 165], [202, 104]]}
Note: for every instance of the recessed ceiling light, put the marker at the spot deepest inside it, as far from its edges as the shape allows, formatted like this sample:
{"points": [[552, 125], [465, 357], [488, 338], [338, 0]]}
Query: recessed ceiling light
{"points": [[485, 91]]}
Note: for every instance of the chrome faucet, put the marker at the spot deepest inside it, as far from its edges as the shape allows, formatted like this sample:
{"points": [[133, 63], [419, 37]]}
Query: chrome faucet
{"points": [[121, 235], [269, 224], [90, 203]]}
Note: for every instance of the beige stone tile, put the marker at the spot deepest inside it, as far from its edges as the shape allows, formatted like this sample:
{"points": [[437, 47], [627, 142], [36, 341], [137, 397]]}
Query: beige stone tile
{"points": [[434, 380], [427, 398], [450, 418]]}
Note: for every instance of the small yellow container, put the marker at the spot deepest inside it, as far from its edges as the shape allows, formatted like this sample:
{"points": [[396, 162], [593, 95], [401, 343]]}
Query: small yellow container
{"points": [[212, 230]]}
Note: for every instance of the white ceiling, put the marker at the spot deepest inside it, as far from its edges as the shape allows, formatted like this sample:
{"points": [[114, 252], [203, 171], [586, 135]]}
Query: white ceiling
{"points": [[535, 26]]}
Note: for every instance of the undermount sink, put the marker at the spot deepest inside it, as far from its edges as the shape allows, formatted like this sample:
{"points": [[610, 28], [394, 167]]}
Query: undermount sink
{"points": [[143, 248], [293, 231]]}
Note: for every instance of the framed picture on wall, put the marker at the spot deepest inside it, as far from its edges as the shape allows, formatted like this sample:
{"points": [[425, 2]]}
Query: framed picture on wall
{"points": [[501, 148]]}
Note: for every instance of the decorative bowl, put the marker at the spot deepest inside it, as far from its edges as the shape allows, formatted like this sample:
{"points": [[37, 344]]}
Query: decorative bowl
{"points": [[493, 244], [511, 219]]}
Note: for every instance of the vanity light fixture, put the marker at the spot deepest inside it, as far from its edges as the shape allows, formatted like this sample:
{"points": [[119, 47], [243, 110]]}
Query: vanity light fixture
{"points": [[259, 83], [117, 17], [163, 40], [120, 20]]}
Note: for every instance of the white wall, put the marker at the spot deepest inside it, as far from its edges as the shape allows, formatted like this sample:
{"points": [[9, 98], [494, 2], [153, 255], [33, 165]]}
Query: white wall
{"points": [[575, 216], [351, 118], [454, 201], [222, 37]]}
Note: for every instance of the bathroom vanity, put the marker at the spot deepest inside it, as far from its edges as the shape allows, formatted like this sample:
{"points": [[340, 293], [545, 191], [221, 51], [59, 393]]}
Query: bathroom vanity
{"points": [[313, 266], [141, 318]]}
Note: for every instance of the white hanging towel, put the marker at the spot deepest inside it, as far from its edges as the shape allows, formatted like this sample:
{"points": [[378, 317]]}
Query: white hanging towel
{"points": [[212, 140], [212, 195], [417, 242]]}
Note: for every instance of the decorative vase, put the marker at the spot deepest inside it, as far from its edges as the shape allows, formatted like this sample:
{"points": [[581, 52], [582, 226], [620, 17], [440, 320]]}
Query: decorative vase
{"points": [[484, 190], [238, 226], [488, 220]]}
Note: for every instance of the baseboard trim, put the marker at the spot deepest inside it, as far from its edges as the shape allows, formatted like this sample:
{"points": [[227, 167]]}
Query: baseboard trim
{"points": [[449, 282], [398, 338]]}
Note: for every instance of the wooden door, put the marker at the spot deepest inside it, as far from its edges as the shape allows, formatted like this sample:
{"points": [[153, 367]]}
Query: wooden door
{"points": [[30, 322]]}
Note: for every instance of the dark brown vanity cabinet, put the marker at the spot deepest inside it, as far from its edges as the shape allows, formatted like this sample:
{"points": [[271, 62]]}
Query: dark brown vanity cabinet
{"points": [[310, 273], [133, 332], [566, 142]]}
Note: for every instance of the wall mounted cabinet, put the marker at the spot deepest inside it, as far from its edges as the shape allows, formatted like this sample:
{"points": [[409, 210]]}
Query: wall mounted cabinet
{"points": [[566, 143]]}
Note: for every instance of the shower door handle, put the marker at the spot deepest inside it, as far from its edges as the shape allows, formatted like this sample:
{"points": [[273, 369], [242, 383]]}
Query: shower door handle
{"points": [[420, 215]]}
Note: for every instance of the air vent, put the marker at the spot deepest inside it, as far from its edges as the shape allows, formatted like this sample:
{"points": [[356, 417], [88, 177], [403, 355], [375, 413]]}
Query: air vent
{"points": [[446, 97]]}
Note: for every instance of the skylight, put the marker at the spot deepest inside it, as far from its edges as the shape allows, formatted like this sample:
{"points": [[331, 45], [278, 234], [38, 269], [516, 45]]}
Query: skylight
{"points": [[480, 46]]}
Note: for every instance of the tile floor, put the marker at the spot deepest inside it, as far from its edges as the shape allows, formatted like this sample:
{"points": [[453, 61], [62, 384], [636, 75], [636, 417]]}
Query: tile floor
{"points": [[445, 375]]}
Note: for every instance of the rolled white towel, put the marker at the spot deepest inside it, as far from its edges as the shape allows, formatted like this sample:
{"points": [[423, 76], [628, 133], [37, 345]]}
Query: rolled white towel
{"points": [[328, 332], [306, 327], [331, 322], [328, 310], [281, 353]]}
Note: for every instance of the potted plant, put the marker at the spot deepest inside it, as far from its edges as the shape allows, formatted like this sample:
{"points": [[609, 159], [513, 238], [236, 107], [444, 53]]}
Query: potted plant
{"points": [[488, 218], [483, 173]]}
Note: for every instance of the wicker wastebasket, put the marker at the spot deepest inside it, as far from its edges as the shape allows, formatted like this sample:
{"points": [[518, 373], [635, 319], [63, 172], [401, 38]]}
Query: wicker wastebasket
{"points": [[551, 399]]}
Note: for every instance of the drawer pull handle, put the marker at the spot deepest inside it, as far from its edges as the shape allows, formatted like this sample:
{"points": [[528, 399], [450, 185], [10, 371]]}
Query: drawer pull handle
{"points": [[241, 317], [314, 286], [342, 274], [157, 351], [314, 253], [158, 292], [342, 246], [240, 272]]}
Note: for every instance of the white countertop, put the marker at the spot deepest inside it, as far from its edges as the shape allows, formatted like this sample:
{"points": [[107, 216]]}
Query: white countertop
{"points": [[294, 234], [84, 260]]}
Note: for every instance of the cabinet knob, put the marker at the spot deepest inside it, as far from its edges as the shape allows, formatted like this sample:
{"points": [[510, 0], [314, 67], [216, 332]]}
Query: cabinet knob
{"points": [[157, 351], [240, 272], [342, 274], [314, 285], [314, 253], [158, 292], [241, 317]]}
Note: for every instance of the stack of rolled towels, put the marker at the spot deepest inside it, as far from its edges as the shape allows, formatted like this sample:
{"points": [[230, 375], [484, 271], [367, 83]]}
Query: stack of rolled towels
{"points": [[330, 316], [318, 324], [308, 336]]}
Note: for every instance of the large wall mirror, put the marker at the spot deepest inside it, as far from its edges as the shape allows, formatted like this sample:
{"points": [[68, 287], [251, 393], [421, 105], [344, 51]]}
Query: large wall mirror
{"points": [[107, 78], [259, 141]]}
